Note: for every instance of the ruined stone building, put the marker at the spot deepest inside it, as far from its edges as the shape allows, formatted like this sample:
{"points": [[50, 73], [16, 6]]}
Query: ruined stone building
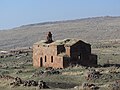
{"points": [[62, 53]]}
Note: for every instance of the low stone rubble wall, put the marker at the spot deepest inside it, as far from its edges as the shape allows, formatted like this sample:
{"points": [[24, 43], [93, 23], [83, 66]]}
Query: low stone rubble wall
{"points": [[27, 83]]}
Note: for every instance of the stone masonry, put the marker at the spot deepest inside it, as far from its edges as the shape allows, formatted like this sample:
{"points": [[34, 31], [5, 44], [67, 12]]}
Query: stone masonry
{"points": [[63, 53]]}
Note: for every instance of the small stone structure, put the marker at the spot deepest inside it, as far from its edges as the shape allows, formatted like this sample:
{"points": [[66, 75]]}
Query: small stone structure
{"points": [[62, 53], [49, 38]]}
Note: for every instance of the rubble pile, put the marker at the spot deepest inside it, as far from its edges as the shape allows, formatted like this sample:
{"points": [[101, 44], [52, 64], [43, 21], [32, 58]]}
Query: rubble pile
{"points": [[89, 86], [19, 82], [42, 85], [92, 74]]}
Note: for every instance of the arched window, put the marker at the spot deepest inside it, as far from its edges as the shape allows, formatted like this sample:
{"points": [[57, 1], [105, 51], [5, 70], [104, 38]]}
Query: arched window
{"points": [[51, 59], [45, 59]]}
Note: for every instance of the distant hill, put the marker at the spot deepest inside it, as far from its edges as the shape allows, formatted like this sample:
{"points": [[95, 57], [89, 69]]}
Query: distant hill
{"points": [[89, 29]]}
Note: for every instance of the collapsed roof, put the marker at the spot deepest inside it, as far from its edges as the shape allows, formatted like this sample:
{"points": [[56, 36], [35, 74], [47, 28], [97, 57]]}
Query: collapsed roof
{"points": [[66, 42]]}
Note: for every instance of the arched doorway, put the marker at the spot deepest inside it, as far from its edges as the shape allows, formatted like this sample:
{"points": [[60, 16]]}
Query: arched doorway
{"points": [[41, 62]]}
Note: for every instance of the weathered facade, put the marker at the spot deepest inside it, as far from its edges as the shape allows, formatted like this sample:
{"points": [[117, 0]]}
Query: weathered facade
{"points": [[63, 53]]}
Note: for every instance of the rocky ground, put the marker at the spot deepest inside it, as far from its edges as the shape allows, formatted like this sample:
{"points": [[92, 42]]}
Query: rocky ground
{"points": [[17, 72]]}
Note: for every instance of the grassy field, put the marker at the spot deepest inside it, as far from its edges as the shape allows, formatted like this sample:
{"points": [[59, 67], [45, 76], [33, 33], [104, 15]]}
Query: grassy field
{"points": [[108, 53]]}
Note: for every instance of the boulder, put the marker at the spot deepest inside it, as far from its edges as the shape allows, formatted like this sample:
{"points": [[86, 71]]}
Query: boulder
{"points": [[42, 85]]}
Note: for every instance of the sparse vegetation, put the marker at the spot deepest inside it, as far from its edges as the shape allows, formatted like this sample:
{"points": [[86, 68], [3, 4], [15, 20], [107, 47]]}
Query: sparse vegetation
{"points": [[104, 77], [101, 76]]}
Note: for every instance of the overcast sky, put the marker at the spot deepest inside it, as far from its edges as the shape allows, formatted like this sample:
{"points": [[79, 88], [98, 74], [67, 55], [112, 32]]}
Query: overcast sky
{"points": [[14, 13]]}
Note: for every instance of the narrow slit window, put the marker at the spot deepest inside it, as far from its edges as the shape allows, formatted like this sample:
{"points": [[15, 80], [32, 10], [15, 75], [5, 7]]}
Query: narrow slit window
{"points": [[45, 59], [51, 59]]}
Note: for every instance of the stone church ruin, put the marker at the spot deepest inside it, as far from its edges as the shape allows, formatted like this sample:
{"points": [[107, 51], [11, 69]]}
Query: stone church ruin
{"points": [[62, 53]]}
